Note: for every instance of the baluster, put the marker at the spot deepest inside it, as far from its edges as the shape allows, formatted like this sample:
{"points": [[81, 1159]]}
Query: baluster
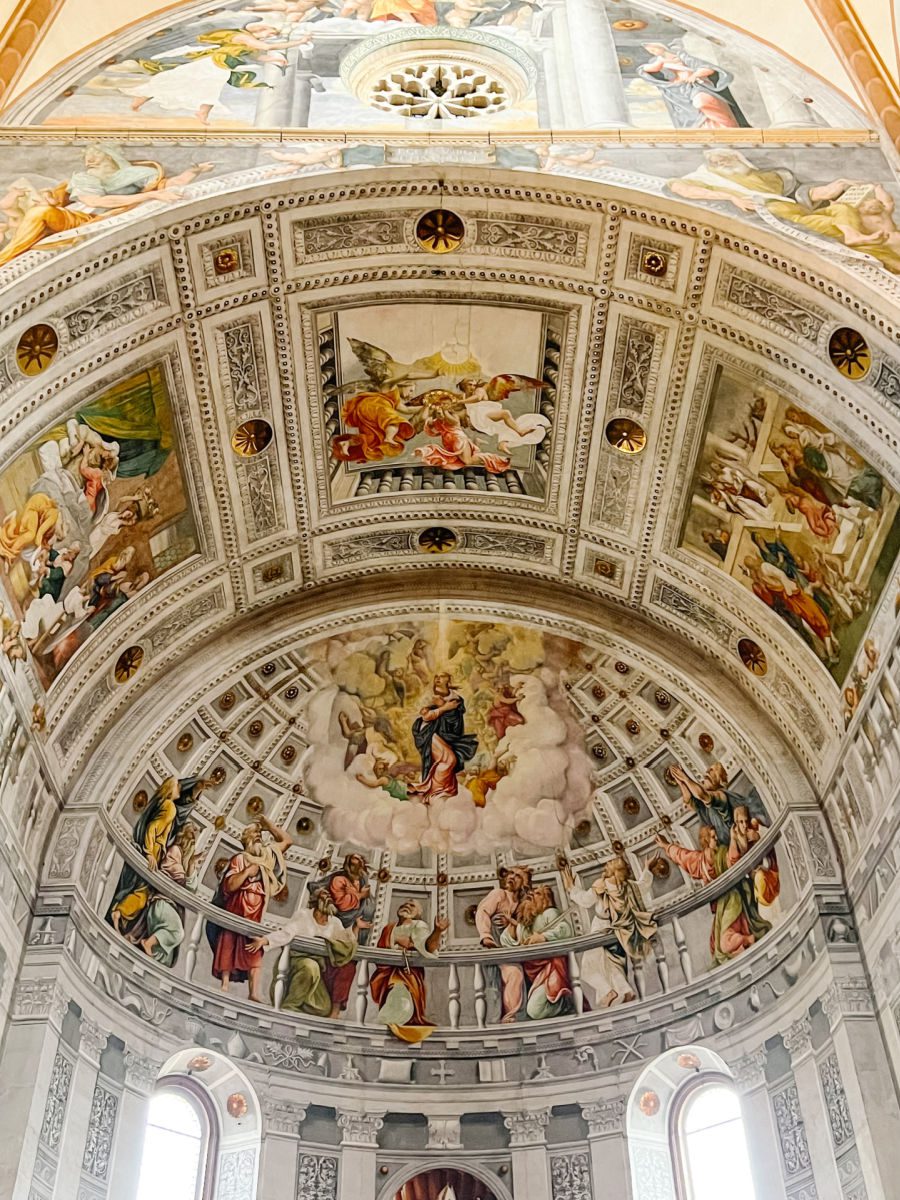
{"points": [[190, 961], [362, 992], [684, 955], [662, 966], [640, 987], [575, 980], [480, 999], [284, 961], [453, 986]]}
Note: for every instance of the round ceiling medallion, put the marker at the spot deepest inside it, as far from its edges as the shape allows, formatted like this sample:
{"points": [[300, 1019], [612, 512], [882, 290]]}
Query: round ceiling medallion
{"points": [[251, 437], [437, 539], [128, 663], [849, 353], [139, 801], [626, 435], [36, 349], [459, 74], [629, 26], [752, 656], [304, 825]]}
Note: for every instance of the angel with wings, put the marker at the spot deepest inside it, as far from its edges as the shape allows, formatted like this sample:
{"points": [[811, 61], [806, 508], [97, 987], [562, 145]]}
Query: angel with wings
{"points": [[484, 403]]}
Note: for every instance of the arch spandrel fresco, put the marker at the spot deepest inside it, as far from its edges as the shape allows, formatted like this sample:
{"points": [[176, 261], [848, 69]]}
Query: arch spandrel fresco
{"points": [[95, 511], [440, 786], [793, 513]]}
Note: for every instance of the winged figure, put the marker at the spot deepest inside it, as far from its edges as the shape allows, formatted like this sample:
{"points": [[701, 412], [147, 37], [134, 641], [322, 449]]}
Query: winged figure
{"points": [[383, 371], [485, 408]]}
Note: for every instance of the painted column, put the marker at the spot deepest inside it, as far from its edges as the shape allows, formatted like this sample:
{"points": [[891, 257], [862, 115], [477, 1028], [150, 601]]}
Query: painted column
{"points": [[528, 1143], [762, 1137], [84, 1080], [798, 1042], [35, 1076], [359, 1149], [785, 108], [280, 1151], [608, 1150], [569, 115], [140, 1077], [594, 65], [863, 1087]]}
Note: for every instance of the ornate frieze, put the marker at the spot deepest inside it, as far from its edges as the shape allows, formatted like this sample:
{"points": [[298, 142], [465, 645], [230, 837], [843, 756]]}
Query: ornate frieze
{"points": [[237, 1175], [101, 1132], [791, 1130], [129, 299], [769, 304], [317, 1176], [570, 1176]]}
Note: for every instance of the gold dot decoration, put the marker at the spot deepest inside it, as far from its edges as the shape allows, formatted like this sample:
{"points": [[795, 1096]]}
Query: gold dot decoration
{"points": [[598, 691], [629, 25], [752, 656], [849, 353], [255, 805], [469, 914], [251, 437], [706, 743], [649, 1104], [199, 1062], [582, 829], [128, 664], [659, 867], [292, 693], [663, 699], [218, 776], [631, 805], [255, 728], [139, 801], [442, 878], [227, 700], [599, 752], [219, 822], [439, 231], [633, 727], [237, 1105], [622, 668], [269, 669], [384, 875], [654, 263], [437, 539], [604, 568], [226, 260], [288, 753], [36, 349], [185, 742], [670, 778], [626, 435], [304, 825]]}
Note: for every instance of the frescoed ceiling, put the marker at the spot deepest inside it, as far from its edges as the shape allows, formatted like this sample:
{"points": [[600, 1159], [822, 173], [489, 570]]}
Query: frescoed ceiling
{"points": [[585, 405]]}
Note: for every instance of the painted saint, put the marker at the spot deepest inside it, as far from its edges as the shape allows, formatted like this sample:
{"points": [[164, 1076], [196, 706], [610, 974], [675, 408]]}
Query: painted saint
{"points": [[250, 880], [400, 991], [538, 919], [157, 834], [696, 93], [441, 739]]}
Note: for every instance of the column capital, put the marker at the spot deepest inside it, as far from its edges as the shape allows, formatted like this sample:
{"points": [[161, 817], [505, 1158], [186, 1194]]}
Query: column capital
{"points": [[798, 1037], [140, 1073], [283, 1116], [750, 1071], [527, 1128], [604, 1116], [359, 1128], [93, 1039], [40, 998], [444, 1133]]}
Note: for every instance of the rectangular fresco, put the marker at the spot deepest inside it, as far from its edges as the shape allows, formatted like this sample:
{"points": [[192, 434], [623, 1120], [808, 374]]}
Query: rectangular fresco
{"points": [[451, 388], [89, 516], [793, 513]]}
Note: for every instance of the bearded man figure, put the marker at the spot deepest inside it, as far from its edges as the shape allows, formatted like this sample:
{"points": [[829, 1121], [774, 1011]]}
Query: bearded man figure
{"points": [[249, 882], [494, 915], [538, 920], [398, 991]]}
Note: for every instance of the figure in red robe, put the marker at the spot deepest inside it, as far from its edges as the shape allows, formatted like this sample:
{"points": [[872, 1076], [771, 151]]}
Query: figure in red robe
{"points": [[249, 882], [399, 990]]}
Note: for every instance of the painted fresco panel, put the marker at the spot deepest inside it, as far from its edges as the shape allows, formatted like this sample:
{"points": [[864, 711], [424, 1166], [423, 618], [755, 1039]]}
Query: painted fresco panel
{"points": [[794, 514], [90, 515]]}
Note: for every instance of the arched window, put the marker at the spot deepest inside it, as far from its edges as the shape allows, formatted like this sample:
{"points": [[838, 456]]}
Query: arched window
{"points": [[686, 1138], [176, 1147], [712, 1155]]}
